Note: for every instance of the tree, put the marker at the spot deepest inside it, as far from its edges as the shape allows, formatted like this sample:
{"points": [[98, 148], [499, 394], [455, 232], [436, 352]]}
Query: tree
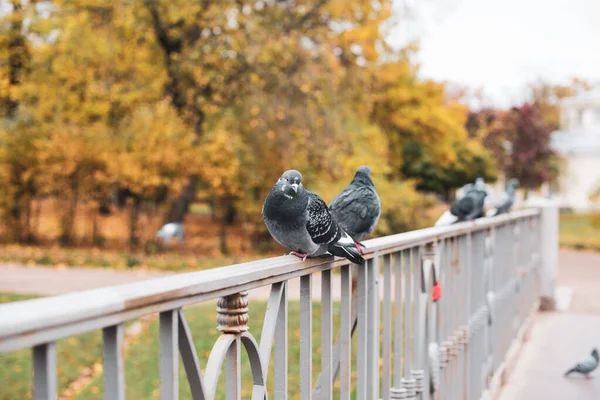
{"points": [[151, 157], [214, 52], [529, 157], [427, 135]]}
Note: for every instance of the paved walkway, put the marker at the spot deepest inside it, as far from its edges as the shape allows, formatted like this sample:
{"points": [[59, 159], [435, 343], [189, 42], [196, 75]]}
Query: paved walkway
{"points": [[559, 339]]}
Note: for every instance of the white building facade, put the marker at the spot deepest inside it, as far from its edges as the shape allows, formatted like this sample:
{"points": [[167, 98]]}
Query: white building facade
{"points": [[578, 142]]}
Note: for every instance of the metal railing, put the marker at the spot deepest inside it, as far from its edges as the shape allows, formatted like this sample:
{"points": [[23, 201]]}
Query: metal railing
{"points": [[406, 346]]}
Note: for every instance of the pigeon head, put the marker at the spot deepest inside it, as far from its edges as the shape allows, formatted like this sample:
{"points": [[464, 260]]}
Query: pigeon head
{"points": [[363, 175], [479, 183], [290, 183], [512, 184], [595, 354], [364, 169]]}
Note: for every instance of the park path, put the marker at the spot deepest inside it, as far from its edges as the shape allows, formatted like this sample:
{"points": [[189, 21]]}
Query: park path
{"points": [[558, 339]]}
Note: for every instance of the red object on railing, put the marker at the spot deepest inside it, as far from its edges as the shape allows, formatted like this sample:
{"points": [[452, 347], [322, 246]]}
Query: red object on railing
{"points": [[436, 291]]}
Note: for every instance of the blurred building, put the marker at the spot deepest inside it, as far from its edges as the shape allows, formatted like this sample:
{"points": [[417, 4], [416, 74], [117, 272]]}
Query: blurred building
{"points": [[578, 142]]}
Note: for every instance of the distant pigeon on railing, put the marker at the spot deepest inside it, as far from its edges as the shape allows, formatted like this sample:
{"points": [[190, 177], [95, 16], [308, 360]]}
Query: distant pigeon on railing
{"points": [[470, 206], [170, 230], [299, 220], [506, 200], [357, 208], [586, 366]]}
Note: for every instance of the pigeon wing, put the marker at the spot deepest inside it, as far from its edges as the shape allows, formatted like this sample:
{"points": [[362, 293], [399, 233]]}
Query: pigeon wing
{"points": [[319, 223], [357, 209], [586, 366]]}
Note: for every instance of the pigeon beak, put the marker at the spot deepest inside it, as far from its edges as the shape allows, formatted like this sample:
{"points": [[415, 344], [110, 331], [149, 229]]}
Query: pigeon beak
{"points": [[295, 187]]}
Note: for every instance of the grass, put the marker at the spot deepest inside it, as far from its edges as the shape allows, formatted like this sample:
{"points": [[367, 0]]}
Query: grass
{"points": [[76, 354], [73, 355], [580, 231], [142, 357]]}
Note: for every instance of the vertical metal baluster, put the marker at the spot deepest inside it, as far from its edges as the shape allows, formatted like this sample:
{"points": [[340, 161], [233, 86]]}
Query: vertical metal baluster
{"points": [[169, 357], [114, 378], [361, 334], [416, 270], [326, 335], [398, 322], [281, 349], [44, 372], [306, 337], [387, 326], [452, 316], [345, 334], [407, 316], [233, 371], [373, 329]]}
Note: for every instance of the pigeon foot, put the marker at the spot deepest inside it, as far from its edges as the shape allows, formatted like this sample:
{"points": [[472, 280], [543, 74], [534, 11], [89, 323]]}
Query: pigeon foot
{"points": [[587, 377], [299, 255], [360, 247]]}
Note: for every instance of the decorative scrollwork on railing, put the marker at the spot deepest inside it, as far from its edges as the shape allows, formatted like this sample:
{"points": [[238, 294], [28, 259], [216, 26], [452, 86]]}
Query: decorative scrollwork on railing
{"points": [[232, 316]]}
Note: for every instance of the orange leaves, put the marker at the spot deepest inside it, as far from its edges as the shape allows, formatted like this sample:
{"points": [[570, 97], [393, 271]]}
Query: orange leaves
{"points": [[153, 149]]}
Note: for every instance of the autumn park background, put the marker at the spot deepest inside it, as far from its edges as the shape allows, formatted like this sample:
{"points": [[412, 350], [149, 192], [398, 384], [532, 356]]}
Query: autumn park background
{"points": [[117, 117]]}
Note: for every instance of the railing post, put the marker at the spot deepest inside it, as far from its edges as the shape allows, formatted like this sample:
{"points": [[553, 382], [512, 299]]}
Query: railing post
{"points": [[232, 317], [548, 253]]}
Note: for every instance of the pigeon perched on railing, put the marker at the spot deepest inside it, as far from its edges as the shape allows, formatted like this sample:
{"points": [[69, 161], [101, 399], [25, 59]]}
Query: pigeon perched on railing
{"points": [[506, 200], [586, 366], [357, 208], [299, 220], [470, 206], [170, 230]]}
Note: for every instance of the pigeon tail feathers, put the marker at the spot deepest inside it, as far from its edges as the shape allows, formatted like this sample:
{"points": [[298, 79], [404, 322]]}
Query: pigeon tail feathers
{"points": [[447, 218], [347, 248], [492, 212]]}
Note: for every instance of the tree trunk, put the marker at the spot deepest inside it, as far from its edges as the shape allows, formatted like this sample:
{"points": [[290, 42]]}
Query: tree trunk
{"points": [[176, 87], [68, 223], [96, 237], [181, 205], [133, 220], [18, 56], [27, 236]]}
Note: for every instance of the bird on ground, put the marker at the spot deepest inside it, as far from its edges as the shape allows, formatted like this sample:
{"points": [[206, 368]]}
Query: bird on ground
{"points": [[585, 366], [358, 207], [170, 230], [506, 200], [299, 220], [470, 206]]}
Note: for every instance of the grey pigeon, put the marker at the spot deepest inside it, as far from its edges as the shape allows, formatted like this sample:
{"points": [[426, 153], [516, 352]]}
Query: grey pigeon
{"points": [[299, 220], [586, 366], [357, 208], [506, 200], [468, 207]]}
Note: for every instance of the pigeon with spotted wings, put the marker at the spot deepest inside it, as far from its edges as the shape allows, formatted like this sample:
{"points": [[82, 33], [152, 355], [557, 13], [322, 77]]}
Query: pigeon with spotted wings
{"points": [[299, 220], [357, 208]]}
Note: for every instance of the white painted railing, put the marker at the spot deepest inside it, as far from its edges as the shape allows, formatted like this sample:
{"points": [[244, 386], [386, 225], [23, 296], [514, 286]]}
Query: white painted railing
{"points": [[406, 346]]}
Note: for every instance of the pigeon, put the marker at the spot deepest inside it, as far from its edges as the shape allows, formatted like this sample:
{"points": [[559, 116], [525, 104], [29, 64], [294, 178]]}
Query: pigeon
{"points": [[468, 207], [172, 229], [299, 220], [357, 208], [585, 367], [506, 200]]}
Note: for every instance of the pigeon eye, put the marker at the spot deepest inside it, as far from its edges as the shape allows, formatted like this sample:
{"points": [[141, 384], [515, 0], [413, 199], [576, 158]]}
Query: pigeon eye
{"points": [[287, 180]]}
